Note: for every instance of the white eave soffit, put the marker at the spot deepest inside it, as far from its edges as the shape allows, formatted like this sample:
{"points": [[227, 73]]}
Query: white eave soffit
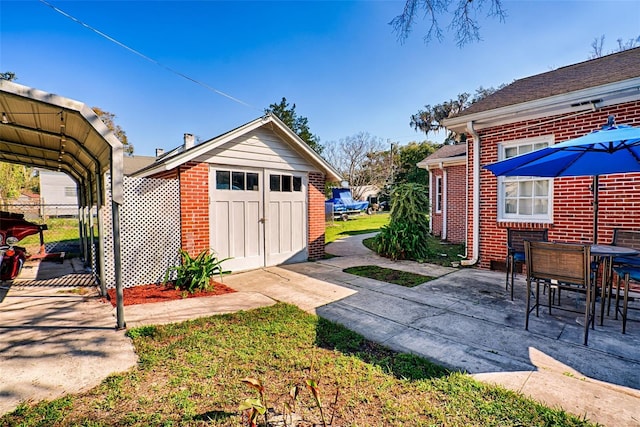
{"points": [[587, 99], [441, 163]]}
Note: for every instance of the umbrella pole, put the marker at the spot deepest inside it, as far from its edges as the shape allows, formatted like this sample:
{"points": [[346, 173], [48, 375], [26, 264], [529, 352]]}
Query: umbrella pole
{"points": [[595, 209]]}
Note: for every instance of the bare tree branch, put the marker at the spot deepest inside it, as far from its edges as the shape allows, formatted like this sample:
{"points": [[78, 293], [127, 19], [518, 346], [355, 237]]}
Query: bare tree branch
{"points": [[464, 22]]}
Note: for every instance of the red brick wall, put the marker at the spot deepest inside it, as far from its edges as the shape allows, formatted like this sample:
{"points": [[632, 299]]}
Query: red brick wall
{"points": [[456, 203], [572, 197], [194, 207], [315, 218]]}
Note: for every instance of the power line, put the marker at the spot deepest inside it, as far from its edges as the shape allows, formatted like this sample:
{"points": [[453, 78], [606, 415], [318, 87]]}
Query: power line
{"points": [[142, 55]]}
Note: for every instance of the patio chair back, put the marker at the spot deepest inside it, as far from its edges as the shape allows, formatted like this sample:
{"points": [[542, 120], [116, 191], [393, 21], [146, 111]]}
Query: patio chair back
{"points": [[564, 265], [515, 249], [626, 238]]}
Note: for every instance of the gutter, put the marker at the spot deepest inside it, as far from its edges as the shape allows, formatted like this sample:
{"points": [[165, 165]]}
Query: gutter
{"points": [[475, 195]]}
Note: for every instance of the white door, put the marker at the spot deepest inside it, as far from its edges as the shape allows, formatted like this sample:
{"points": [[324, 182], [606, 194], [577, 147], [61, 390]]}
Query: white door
{"points": [[236, 209], [286, 217], [258, 218]]}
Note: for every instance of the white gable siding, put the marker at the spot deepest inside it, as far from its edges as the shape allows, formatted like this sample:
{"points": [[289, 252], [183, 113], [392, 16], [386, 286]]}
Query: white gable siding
{"points": [[259, 148]]}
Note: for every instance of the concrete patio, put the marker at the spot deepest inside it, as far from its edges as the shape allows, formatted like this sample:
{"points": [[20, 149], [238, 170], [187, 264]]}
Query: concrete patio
{"points": [[56, 342]]}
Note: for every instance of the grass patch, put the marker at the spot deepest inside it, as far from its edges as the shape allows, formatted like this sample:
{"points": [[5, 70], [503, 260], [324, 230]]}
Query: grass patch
{"points": [[389, 275], [361, 224], [65, 231], [189, 374]]}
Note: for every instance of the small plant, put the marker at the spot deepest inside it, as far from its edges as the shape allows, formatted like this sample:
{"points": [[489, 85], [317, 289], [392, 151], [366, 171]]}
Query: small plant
{"points": [[194, 274], [254, 407]]}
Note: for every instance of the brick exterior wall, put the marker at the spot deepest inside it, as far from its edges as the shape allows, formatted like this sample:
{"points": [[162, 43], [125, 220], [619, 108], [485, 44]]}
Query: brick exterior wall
{"points": [[194, 207], [456, 203], [315, 218], [619, 195]]}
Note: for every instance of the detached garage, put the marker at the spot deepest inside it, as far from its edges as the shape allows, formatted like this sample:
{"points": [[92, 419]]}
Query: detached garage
{"points": [[254, 194]]}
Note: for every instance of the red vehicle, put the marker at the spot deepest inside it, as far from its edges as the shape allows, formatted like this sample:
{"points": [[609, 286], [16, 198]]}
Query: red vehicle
{"points": [[13, 228]]}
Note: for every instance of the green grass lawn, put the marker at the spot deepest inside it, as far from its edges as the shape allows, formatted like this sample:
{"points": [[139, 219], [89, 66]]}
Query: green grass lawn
{"points": [[58, 230], [190, 374], [389, 275], [361, 224]]}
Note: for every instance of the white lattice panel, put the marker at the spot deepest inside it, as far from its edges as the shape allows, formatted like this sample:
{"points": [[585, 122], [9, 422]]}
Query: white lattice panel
{"points": [[149, 231]]}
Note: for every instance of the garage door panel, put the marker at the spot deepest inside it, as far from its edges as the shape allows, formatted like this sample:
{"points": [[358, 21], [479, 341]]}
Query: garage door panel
{"points": [[221, 231], [236, 231], [298, 234], [274, 228], [264, 223], [253, 227], [287, 219]]}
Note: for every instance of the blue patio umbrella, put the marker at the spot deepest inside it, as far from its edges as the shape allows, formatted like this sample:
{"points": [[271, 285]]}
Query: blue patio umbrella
{"points": [[612, 149]]}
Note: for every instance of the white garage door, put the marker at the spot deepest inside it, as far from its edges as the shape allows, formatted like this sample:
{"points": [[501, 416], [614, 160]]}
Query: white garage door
{"points": [[258, 217]]}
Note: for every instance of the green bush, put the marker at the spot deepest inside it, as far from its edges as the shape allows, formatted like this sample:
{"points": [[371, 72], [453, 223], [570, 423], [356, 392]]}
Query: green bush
{"points": [[194, 274], [410, 203], [404, 240], [407, 235]]}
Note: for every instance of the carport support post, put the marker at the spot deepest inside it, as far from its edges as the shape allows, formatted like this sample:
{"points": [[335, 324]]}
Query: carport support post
{"points": [[117, 265]]}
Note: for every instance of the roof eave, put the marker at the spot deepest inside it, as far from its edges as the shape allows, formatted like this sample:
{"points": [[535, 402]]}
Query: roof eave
{"points": [[201, 149], [587, 99], [439, 163]]}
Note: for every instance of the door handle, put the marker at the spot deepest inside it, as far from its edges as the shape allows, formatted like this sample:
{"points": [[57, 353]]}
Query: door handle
{"points": [[262, 220]]}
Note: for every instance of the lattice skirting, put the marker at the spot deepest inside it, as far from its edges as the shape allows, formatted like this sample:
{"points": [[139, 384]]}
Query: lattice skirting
{"points": [[149, 231]]}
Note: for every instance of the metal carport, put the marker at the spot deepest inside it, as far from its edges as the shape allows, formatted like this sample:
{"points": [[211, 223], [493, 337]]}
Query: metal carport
{"points": [[52, 132]]}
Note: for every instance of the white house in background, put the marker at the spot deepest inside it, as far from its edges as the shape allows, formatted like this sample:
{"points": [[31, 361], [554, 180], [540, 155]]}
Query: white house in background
{"points": [[58, 194]]}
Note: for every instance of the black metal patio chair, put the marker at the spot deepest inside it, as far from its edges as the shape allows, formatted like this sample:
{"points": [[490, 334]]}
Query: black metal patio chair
{"points": [[515, 250]]}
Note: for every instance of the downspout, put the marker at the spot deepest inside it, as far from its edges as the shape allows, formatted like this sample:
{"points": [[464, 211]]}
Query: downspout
{"points": [[475, 195]]}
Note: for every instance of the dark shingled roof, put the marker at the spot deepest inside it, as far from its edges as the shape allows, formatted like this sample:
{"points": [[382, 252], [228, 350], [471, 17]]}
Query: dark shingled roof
{"points": [[595, 72], [448, 151], [133, 164]]}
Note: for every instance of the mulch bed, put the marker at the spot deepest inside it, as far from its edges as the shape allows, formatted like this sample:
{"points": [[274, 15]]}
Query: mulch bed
{"points": [[145, 294]]}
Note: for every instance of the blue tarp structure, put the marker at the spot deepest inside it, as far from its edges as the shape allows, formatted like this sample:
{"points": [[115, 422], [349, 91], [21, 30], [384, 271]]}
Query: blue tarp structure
{"points": [[343, 201]]}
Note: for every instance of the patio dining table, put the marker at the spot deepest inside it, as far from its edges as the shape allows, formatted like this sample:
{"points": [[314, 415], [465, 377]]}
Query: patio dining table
{"points": [[606, 253]]}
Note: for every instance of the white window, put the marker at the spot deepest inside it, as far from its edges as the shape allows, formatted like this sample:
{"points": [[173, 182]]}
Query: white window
{"points": [[70, 192], [438, 194], [524, 198]]}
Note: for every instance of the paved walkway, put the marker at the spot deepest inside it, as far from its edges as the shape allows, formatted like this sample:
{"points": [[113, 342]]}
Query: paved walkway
{"points": [[56, 343]]}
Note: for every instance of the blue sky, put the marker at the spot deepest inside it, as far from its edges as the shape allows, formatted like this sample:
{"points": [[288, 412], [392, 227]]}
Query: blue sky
{"points": [[338, 61]]}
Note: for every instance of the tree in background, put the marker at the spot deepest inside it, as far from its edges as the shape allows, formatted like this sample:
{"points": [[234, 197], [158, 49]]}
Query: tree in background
{"points": [[8, 75], [361, 160], [408, 157], [464, 23], [15, 180], [430, 119], [109, 120], [298, 124], [598, 46]]}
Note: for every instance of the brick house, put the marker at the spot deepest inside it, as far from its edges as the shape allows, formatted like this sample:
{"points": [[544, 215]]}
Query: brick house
{"points": [[447, 168], [534, 112], [255, 193]]}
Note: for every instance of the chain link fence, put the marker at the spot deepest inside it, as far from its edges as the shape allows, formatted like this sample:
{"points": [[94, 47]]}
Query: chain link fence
{"points": [[39, 212]]}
